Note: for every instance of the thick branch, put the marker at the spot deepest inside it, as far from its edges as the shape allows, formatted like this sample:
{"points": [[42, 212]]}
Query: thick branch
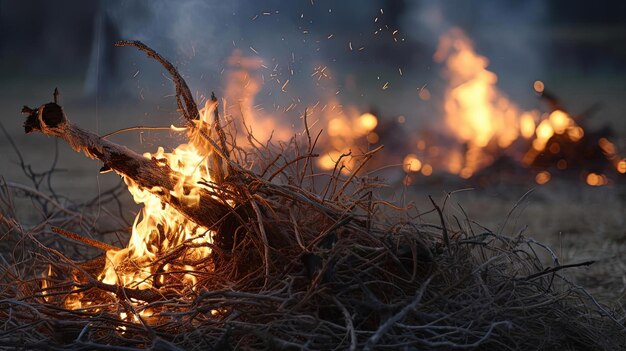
{"points": [[149, 174]]}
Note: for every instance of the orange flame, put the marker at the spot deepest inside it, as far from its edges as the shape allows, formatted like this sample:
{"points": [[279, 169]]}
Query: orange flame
{"points": [[485, 121], [557, 123], [244, 81], [476, 112], [346, 128], [159, 227], [595, 179], [45, 284]]}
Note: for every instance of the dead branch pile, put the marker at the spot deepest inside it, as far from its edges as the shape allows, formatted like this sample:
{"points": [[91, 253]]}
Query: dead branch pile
{"points": [[302, 261]]}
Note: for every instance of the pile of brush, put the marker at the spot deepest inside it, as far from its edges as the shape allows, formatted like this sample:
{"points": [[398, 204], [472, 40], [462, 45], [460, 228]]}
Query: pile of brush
{"points": [[299, 261]]}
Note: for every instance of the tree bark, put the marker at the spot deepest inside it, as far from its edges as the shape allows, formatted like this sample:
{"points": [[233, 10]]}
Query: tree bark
{"points": [[149, 174]]}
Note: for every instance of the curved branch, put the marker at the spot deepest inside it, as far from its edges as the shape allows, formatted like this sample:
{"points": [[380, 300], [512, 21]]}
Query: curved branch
{"points": [[187, 106]]}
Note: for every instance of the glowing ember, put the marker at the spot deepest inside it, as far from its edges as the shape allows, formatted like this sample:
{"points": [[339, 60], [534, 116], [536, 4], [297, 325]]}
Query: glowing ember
{"points": [[372, 138], [543, 177], [411, 164], [527, 125], [427, 170], [607, 147], [594, 179], [610, 151], [621, 166], [367, 122], [544, 133], [559, 121], [424, 94]]}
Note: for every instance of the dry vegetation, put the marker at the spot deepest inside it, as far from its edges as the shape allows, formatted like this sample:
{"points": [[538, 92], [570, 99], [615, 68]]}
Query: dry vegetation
{"points": [[579, 222], [304, 261]]}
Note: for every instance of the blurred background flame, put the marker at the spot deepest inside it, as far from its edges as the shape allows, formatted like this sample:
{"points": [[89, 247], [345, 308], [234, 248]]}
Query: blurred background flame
{"points": [[446, 87]]}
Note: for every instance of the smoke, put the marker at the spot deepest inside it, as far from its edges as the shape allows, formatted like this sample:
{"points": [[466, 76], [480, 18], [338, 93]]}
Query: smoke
{"points": [[196, 35], [199, 36]]}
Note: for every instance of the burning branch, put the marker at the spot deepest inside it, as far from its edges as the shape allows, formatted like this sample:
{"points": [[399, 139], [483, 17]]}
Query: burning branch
{"points": [[149, 174], [87, 241], [188, 107]]}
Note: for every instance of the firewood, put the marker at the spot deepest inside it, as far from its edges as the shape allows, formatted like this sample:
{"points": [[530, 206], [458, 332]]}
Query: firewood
{"points": [[149, 174]]}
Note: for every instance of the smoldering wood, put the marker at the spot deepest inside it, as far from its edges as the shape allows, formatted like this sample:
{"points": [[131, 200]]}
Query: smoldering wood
{"points": [[148, 173]]}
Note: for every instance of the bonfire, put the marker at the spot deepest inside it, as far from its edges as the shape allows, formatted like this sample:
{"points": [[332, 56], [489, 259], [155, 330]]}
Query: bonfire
{"points": [[249, 247]]}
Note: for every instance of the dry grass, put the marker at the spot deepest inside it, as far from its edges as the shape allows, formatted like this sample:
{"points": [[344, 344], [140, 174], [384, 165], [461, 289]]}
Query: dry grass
{"points": [[336, 268], [579, 222]]}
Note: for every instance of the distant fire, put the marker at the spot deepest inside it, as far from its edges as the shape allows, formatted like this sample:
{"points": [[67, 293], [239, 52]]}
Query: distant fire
{"points": [[475, 111], [244, 81], [481, 121], [346, 130], [557, 123], [487, 125]]}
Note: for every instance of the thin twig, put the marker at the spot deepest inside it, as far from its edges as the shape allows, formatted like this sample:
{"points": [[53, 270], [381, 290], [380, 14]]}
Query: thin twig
{"points": [[43, 196], [444, 230], [91, 242], [187, 105], [558, 268], [366, 157], [142, 128], [287, 164], [382, 329], [349, 324]]}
